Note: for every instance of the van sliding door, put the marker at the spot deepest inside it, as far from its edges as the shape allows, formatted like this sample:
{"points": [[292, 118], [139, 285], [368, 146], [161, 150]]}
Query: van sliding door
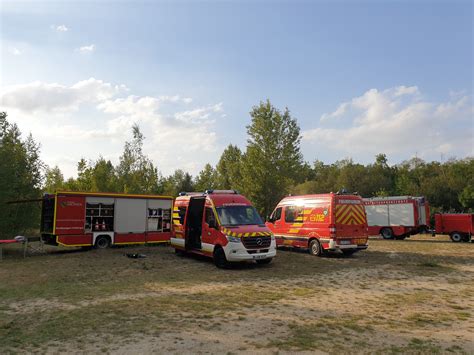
{"points": [[194, 223]]}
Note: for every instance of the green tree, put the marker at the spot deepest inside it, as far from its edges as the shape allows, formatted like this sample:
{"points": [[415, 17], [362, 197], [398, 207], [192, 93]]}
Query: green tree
{"points": [[229, 167], [272, 161], [136, 172], [178, 182], [20, 179], [207, 179], [104, 178], [54, 180]]}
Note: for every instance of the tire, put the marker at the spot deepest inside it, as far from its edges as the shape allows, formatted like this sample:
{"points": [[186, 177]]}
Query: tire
{"points": [[456, 237], [386, 233], [315, 248], [102, 242], [219, 258], [264, 261], [349, 252]]}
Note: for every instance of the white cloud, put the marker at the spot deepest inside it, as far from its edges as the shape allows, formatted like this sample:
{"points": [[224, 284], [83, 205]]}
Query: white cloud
{"points": [[92, 118], [198, 114], [14, 51], [53, 97], [396, 121], [59, 28], [86, 49]]}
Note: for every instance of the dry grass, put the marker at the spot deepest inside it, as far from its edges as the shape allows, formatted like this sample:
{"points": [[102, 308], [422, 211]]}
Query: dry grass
{"points": [[412, 296]]}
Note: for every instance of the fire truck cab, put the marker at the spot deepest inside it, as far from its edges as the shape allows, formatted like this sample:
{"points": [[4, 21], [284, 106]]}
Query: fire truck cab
{"points": [[221, 224], [326, 222]]}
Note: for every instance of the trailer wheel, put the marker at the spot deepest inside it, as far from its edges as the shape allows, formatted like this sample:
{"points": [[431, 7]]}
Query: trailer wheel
{"points": [[315, 248], [102, 242], [456, 237], [219, 258], [386, 233]]}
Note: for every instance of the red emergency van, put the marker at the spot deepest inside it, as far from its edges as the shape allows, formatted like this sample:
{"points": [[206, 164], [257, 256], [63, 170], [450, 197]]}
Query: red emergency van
{"points": [[459, 226], [104, 219], [221, 224], [327, 222]]}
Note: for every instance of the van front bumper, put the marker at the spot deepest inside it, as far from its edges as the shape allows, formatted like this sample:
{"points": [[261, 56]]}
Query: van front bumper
{"points": [[235, 252]]}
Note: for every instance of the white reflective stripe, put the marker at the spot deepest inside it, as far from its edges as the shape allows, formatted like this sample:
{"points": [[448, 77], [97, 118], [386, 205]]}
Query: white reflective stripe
{"points": [[207, 247], [177, 241]]}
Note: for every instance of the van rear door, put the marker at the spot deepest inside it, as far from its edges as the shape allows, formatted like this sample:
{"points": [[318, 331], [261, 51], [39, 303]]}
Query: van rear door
{"points": [[350, 218]]}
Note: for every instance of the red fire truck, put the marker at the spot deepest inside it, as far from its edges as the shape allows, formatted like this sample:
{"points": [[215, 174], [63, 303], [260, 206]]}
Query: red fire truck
{"points": [[327, 222], [104, 219], [459, 226], [221, 224], [397, 216]]}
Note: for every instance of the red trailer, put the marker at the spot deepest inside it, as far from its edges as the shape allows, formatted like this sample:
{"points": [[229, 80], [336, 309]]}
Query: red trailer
{"points": [[459, 226], [397, 216], [104, 219]]}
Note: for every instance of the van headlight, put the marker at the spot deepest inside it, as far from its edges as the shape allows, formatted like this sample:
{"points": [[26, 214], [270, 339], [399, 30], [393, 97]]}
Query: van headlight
{"points": [[233, 239]]}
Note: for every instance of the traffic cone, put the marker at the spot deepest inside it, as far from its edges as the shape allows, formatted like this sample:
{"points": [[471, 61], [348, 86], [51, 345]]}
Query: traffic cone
{"points": [[96, 227], [103, 225]]}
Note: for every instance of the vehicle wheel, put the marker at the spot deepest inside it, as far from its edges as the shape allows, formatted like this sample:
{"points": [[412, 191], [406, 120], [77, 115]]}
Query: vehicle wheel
{"points": [[315, 248], [264, 261], [386, 233], [349, 252], [102, 242], [219, 258], [456, 237]]}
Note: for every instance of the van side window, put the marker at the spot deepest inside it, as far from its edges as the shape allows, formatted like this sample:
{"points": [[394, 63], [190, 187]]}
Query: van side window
{"points": [[182, 214], [276, 216], [293, 214], [210, 216]]}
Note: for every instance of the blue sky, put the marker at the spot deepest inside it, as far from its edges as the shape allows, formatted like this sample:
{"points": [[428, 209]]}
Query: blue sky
{"points": [[360, 77]]}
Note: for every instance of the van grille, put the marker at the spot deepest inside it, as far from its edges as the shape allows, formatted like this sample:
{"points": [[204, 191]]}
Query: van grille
{"points": [[256, 242]]}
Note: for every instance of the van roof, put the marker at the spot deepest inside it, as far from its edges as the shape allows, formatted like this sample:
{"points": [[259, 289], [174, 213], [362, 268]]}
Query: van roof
{"points": [[220, 199], [315, 197]]}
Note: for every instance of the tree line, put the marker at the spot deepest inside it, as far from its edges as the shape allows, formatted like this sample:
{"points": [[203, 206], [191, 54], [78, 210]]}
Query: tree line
{"points": [[270, 167]]}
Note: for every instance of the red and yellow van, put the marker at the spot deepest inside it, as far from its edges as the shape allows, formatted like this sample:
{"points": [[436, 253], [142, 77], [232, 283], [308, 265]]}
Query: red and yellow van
{"points": [[221, 224], [326, 222]]}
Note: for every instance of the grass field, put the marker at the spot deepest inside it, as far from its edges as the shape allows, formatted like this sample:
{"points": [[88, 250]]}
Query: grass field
{"points": [[413, 296]]}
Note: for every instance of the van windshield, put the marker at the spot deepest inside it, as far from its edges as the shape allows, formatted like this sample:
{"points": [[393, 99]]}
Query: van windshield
{"points": [[238, 215]]}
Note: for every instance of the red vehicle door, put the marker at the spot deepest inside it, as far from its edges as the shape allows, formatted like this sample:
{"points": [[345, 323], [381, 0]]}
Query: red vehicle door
{"points": [[210, 233], [350, 219]]}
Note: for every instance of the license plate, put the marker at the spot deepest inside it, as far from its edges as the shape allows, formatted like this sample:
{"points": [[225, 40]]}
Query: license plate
{"points": [[259, 257], [345, 242]]}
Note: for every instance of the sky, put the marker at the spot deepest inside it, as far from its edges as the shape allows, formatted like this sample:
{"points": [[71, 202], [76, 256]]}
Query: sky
{"points": [[361, 77]]}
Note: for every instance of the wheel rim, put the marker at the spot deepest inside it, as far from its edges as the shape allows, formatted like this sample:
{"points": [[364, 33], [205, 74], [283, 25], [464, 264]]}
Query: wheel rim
{"points": [[315, 248], [386, 233], [456, 237]]}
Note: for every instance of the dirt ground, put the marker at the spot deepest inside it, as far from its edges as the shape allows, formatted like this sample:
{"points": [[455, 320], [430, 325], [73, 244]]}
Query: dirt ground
{"points": [[412, 296]]}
